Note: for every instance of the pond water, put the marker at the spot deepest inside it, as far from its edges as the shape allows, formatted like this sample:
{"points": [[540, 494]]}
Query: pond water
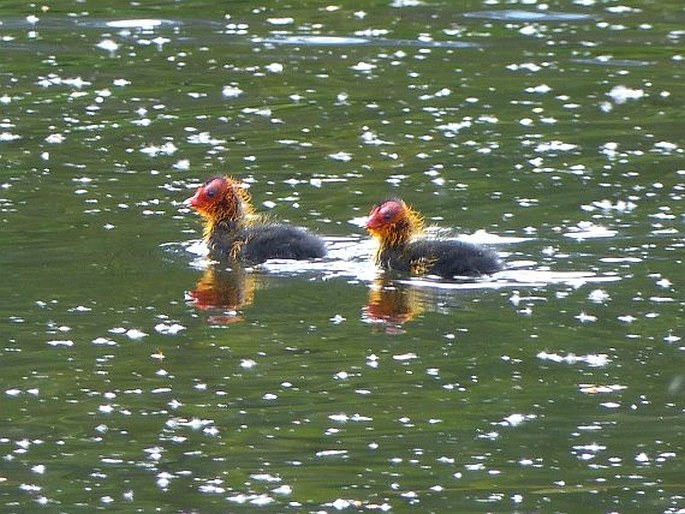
{"points": [[139, 376]]}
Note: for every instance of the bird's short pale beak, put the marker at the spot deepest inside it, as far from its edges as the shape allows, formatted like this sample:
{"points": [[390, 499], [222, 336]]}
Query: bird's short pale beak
{"points": [[373, 221], [191, 201]]}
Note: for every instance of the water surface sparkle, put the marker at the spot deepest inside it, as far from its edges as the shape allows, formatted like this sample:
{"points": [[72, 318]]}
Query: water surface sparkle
{"points": [[140, 375]]}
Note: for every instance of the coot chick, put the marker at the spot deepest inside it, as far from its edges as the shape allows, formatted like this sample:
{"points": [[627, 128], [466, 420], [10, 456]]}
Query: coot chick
{"points": [[403, 247], [234, 231]]}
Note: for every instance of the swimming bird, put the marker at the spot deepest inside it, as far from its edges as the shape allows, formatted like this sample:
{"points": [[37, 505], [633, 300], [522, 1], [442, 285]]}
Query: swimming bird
{"points": [[403, 246], [233, 230]]}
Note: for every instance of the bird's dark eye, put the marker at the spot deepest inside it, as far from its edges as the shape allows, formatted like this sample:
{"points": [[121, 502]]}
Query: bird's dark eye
{"points": [[211, 192], [387, 212]]}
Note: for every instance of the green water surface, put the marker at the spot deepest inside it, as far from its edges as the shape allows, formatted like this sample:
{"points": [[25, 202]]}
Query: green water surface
{"points": [[139, 377]]}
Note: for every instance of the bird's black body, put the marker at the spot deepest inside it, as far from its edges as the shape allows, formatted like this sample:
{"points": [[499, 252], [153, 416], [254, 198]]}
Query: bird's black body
{"points": [[233, 231], [443, 257], [403, 245], [254, 244]]}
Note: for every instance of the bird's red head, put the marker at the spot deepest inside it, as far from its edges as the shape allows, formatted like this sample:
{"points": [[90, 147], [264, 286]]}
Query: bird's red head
{"points": [[209, 193], [221, 198], [386, 213], [393, 221]]}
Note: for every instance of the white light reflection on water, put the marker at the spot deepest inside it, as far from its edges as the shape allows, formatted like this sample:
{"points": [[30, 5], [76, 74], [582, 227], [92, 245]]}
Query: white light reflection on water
{"points": [[314, 41], [575, 350], [143, 24], [352, 257]]}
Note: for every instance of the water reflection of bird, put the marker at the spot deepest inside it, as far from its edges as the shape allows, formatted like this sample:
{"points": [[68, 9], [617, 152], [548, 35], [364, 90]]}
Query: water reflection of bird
{"points": [[391, 305], [223, 290], [234, 231], [403, 246]]}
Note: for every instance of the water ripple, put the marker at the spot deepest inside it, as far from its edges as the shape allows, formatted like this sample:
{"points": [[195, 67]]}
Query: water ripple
{"points": [[359, 41], [530, 16]]}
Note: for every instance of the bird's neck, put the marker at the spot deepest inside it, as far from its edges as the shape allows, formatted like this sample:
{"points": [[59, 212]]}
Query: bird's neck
{"points": [[400, 232], [230, 215], [393, 242], [215, 227], [393, 239], [398, 235]]}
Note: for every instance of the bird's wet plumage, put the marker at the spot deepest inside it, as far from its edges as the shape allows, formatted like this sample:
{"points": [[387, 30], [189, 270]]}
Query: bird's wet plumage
{"points": [[234, 231], [404, 247]]}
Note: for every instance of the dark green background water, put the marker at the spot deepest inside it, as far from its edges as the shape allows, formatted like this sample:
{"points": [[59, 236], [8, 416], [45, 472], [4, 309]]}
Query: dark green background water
{"points": [[137, 376]]}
